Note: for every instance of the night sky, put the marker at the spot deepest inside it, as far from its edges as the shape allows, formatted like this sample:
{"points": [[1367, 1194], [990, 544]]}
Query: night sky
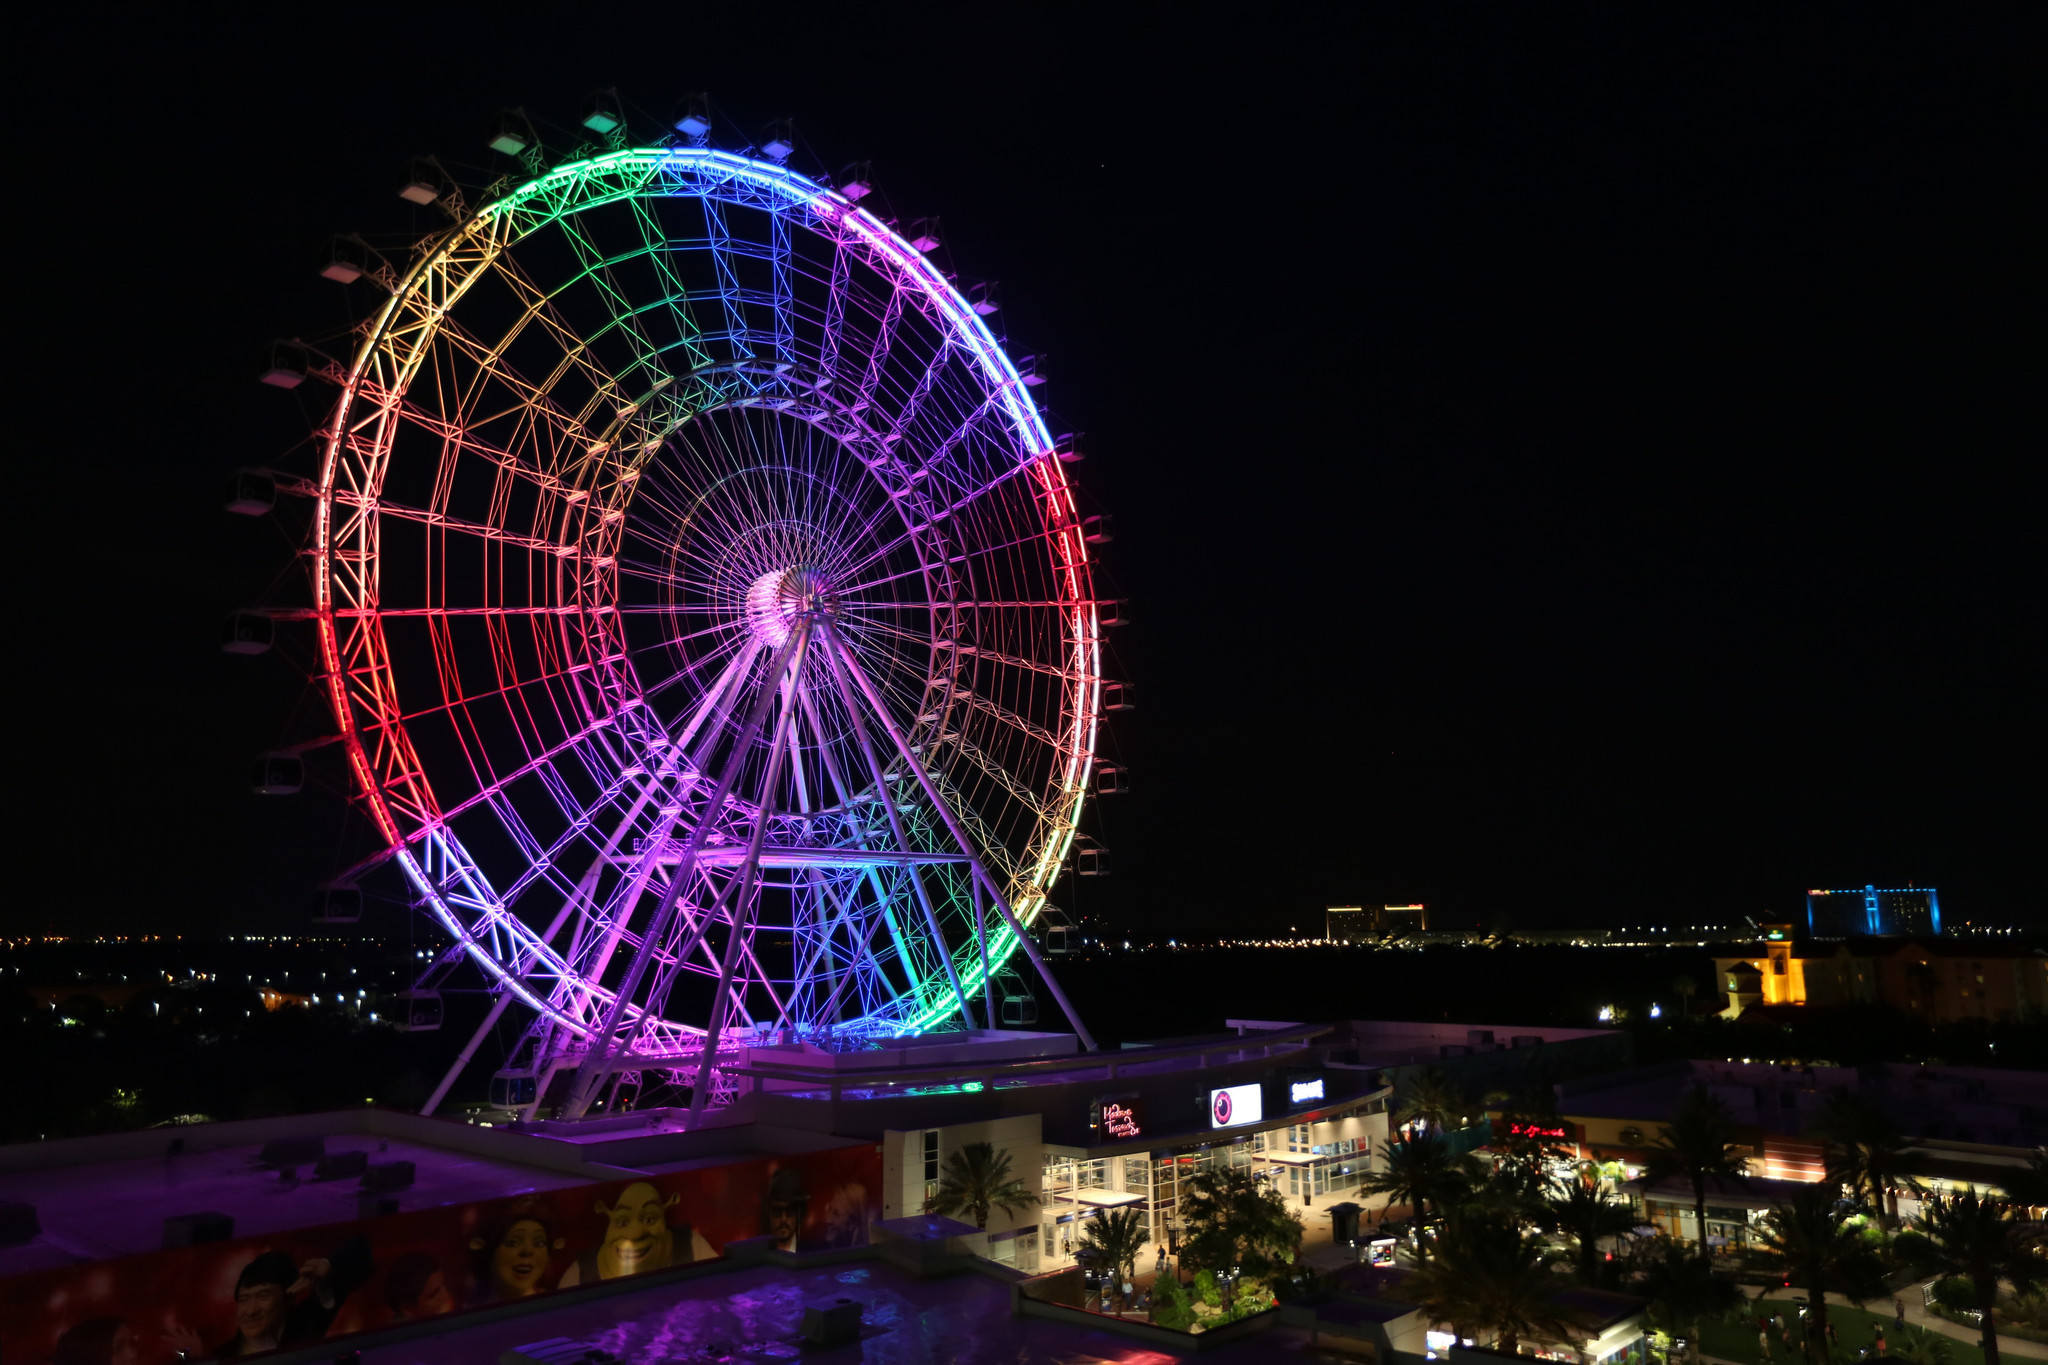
{"points": [[1569, 466]]}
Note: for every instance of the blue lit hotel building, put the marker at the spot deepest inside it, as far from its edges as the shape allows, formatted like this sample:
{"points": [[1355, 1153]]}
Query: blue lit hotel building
{"points": [[1898, 912]]}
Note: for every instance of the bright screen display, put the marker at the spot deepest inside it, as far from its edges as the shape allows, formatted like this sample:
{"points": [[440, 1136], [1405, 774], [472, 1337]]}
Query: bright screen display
{"points": [[1234, 1105]]}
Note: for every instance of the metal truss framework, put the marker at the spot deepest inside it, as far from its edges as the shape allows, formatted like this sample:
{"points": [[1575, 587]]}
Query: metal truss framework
{"points": [[764, 655]]}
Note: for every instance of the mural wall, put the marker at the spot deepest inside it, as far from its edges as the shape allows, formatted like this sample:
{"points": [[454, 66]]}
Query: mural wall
{"points": [[226, 1300]]}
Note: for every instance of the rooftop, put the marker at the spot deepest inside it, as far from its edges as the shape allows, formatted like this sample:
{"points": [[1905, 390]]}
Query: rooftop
{"points": [[118, 1208]]}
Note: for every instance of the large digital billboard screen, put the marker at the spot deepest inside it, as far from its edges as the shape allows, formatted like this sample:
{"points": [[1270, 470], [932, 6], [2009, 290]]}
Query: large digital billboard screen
{"points": [[1236, 1104]]}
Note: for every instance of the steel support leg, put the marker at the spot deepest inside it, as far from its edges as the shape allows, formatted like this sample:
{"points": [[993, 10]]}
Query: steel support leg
{"points": [[842, 655], [588, 1079]]}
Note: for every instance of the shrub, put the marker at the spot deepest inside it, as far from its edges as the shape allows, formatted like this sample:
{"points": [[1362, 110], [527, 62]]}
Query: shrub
{"points": [[1955, 1293], [1207, 1290], [1170, 1306]]}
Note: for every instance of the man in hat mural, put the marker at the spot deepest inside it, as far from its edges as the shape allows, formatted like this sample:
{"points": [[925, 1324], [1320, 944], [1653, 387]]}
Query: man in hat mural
{"points": [[784, 1207]]}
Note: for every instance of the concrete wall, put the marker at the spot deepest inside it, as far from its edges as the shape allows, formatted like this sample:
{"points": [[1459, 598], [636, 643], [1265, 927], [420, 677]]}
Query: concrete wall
{"points": [[903, 1164]]}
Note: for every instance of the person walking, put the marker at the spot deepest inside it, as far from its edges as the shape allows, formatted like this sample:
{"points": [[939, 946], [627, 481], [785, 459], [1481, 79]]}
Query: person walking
{"points": [[1763, 1344], [1878, 1334], [1833, 1341], [1899, 1312]]}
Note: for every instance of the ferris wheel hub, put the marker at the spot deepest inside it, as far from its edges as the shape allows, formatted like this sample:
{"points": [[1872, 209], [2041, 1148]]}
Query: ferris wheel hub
{"points": [[778, 598]]}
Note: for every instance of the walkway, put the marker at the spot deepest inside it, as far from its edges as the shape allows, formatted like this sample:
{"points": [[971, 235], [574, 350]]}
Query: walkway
{"points": [[1916, 1316]]}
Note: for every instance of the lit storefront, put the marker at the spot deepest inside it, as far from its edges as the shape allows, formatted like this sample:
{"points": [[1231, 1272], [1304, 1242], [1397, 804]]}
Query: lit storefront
{"points": [[1281, 1129], [1735, 1212]]}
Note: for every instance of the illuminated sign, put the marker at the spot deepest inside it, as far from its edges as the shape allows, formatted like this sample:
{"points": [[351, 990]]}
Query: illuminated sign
{"points": [[1120, 1120], [1234, 1105], [1531, 1130], [1380, 1251], [1304, 1092], [1119, 1117]]}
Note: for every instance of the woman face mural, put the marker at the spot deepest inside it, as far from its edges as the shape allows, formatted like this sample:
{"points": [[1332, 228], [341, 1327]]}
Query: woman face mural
{"points": [[511, 1254], [520, 1259]]}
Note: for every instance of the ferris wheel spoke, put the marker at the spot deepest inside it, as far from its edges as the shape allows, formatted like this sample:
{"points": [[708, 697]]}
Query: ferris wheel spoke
{"points": [[965, 556], [947, 513]]}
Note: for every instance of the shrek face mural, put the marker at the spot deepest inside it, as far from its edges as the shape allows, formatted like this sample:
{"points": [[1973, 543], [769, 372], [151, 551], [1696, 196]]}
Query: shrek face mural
{"points": [[519, 1259], [637, 1236]]}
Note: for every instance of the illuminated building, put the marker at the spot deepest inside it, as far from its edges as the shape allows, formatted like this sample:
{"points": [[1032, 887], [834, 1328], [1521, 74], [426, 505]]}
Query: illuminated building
{"points": [[1940, 980], [1365, 924], [1902, 912], [1347, 924]]}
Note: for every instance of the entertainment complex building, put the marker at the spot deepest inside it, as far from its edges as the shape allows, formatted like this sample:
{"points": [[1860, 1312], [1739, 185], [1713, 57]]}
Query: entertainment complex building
{"points": [[821, 1157]]}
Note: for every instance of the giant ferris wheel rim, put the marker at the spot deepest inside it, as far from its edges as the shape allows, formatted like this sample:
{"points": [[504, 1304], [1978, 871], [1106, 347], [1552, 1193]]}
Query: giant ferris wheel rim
{"points": [[572, 188]]}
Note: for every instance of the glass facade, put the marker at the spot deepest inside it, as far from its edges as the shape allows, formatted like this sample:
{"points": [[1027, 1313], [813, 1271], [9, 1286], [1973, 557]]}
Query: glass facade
{"points": [[1302, 1160]]}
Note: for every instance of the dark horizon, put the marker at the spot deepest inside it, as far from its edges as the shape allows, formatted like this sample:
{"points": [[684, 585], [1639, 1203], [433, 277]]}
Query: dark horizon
{"points": [[1578, 471]]}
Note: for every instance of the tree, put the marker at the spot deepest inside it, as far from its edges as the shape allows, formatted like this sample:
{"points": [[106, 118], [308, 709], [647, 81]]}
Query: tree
{"points": [[1685, 988], [1530, 1144], [1864, 1152], [1684, 1291], [1116, 1237], [1488, 1277], [976, 1179], [1422, 1174], [1236, 1221], [1698, 1144], [1981, 1240], [1434, 1100], [1585, 1214], [1813, 1242]]}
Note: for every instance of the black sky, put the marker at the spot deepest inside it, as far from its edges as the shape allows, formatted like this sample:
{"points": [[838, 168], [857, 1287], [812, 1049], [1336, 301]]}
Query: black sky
{"points": [[1574, 464]]}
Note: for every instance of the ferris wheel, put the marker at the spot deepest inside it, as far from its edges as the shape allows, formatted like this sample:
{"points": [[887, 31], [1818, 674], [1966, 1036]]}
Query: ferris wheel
{"points": [[704, 609]]}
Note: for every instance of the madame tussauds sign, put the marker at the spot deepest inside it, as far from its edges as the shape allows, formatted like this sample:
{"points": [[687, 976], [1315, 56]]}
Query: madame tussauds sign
{"points": [[1117, 1118], [1120, 1121]]}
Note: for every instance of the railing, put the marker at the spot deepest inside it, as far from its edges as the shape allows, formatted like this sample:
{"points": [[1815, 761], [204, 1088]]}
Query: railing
{"points": [[975, 1076]]}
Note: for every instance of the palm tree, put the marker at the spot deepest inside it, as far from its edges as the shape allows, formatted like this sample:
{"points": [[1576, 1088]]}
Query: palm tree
{"points": [[1685, 988], [1237, 1221], [1422, 1174], [976, 1179], [1813, 1243], [1864, 1152], [1530, 1144], [1585, 1214], [1684, 1290], [1116, 1237], [1918, 1346], [1982, 1240], [1699, 1145], [1490, 1277], [1436, 1100]]}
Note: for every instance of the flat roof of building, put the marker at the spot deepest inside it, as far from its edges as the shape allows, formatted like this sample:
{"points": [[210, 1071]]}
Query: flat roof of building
{"points": [[102, 1197], [118, 1208]]}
